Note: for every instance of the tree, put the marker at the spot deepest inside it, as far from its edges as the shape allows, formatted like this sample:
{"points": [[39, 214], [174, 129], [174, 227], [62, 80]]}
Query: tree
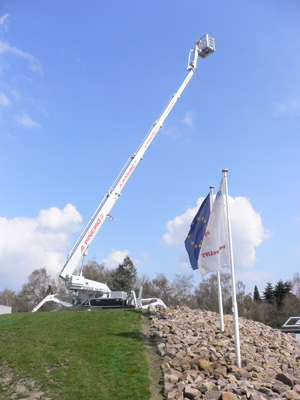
{"points": [[162, 288], [124, 277], [296, 284], [243, 299], [262, 312], [180, 291], [289, 308], [268, 293], [39, 285], [281, 290], [8, 298], [256, 295], [183, 290], [146, 283], [207, 294], [96, 272], [278, 304]]}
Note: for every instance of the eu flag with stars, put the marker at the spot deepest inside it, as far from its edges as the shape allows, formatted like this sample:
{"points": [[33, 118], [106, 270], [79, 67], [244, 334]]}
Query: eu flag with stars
{"points": [[194, 239]]}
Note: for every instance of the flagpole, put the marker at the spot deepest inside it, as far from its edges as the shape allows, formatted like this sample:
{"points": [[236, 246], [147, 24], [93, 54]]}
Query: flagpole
{"points": [[218, 275], [231, 263]]}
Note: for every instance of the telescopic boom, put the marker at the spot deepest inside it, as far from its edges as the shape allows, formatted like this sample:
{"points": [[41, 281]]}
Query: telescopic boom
{"points": [[203, 47]]}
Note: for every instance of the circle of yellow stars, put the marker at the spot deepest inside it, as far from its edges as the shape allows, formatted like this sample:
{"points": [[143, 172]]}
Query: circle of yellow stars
{"points": [[189, 236]]}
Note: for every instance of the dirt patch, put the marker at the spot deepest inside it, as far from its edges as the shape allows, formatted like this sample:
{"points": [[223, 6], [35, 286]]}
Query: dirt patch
{"points": [[28, 390], [13, 389], [154, 361]]}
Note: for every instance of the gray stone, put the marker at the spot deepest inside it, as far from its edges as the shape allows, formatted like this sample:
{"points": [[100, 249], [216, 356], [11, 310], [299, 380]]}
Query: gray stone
{"points": [[285, 378], [265, 390], [228, 396], [172, 376], [191, 393], [256, 397], [291, 394], [199, 360], [213, 395]]}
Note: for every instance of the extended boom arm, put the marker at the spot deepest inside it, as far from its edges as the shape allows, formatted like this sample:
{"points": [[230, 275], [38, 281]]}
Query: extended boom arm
{"points": [[204, 46]]}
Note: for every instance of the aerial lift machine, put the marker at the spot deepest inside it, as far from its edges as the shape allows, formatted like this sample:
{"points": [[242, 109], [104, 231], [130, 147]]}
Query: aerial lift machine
{"points": [[93, 294]]}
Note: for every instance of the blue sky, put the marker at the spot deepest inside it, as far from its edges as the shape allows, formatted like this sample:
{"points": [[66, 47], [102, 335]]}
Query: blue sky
{"points": [[81, 84]]}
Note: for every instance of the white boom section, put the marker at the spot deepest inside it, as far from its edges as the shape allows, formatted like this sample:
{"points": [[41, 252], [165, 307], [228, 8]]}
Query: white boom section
{"points": [[52, 297], [204, 46]]}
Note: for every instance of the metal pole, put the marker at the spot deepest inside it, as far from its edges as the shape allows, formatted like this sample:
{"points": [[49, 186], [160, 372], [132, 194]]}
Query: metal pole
{"points": [[218, 275], [231, 263]]}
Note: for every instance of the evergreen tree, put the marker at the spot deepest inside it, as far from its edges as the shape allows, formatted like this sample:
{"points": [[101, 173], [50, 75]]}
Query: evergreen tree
{"points": [[288, 285], [268, 293], [124, 277], [281, 290], [256, 295]]}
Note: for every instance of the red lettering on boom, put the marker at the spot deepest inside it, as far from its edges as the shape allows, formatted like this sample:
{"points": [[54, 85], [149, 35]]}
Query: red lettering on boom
{"points": [[128, 173], [150, 138], [91, 233]]}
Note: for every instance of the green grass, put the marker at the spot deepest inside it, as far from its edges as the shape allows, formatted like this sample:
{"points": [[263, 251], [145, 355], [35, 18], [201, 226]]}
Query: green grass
{"points": [[76, 355]]}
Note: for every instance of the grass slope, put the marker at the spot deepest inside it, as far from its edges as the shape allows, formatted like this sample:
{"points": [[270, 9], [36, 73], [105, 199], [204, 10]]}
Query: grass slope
{"points": [[75, 355]]}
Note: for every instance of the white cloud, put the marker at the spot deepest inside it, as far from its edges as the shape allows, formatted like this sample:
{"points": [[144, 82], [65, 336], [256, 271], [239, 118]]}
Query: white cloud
{"points": [[3, 18], [26, 121], [171, 131], [174, 131], [4, 22], [248, 231], [16, 95], [115, 258], [4, 100], [56, 219], [30, 243], [178, 228], [33, 63], [189, 119], [184, 265], [289, 108], [254, 276], [14, 65]]}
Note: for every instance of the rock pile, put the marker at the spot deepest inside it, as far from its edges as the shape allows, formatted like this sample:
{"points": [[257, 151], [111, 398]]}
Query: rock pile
{"points": [[198, 360]]}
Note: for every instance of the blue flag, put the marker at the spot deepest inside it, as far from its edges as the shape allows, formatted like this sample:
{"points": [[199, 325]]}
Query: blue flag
{"points": [[194, 239]]}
